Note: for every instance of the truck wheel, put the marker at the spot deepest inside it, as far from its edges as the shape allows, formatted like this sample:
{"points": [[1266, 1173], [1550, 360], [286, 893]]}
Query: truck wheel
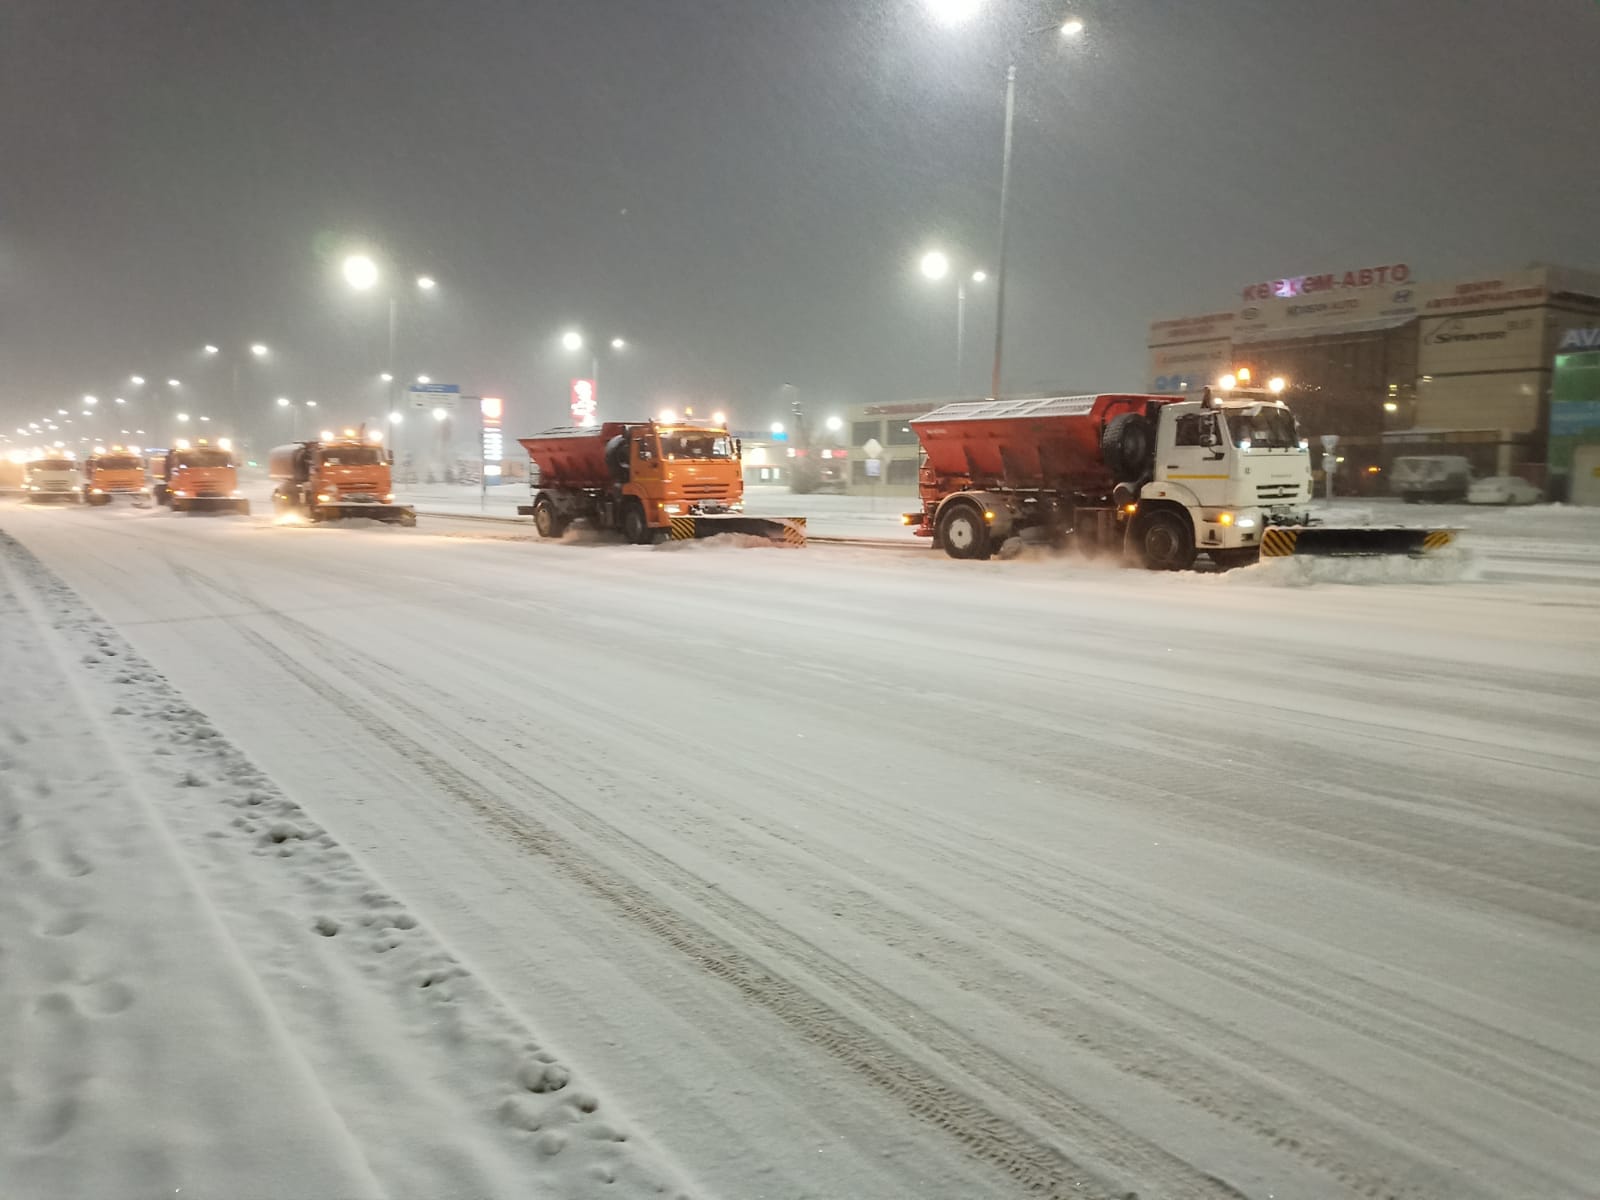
{"points": [[1127, 446], [634, 527], [546, 520], [963, 532], [1164, 542]]}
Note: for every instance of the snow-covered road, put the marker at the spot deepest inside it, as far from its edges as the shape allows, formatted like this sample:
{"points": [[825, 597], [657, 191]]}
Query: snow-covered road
{"points": [[842, 873]]}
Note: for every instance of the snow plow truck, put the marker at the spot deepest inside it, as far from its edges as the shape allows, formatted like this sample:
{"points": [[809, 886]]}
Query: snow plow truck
{"points": [[1159, 479], [335, 478], [652, 480], [203, 477], [108, 474]]}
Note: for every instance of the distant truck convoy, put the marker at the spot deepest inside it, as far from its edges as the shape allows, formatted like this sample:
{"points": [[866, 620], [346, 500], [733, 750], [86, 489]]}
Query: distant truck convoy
{"points": [[112, 473], [52, 479], [1159, 479], [648, 479], [347, 476], [202, 478]]}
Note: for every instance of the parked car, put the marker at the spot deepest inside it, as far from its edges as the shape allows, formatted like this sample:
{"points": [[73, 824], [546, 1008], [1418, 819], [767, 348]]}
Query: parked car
{"points": [[1439, 477], [1503, 489]]}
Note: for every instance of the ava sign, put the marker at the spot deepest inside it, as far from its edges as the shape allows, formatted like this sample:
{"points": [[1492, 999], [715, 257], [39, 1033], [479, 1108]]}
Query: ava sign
{"points": [[1581, 339]]}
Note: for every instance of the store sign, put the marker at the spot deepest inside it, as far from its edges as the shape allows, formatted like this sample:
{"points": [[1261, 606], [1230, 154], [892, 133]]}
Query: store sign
{"points": [[585, 408], [1329, 281], [1581, 339], [1490, 293], [1493, 341]]}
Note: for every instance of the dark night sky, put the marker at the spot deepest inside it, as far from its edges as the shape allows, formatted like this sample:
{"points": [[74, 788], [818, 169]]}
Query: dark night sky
{"points": [[741, 187]]}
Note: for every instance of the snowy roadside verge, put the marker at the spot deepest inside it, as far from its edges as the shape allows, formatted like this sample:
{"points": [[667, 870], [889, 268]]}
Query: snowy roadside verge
{"points": [[200, 989]]}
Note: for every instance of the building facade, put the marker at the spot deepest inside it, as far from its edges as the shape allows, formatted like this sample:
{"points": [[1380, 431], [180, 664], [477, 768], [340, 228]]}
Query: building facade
{"points": [[1394, 365]]}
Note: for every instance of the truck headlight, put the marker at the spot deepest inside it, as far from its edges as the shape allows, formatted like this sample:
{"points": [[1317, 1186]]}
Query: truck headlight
{"points": [[671, 509], [1224, 518], [237, 493], [322, 497], [387, 499], [1246, 522]]}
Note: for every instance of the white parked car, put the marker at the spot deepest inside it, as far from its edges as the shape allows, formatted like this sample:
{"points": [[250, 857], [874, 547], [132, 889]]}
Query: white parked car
{"points": [[1503, 489]]}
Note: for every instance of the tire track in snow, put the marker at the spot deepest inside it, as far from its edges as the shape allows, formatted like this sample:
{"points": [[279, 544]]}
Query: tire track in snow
{"points": [[1151, 1051], [1032, 1160]]}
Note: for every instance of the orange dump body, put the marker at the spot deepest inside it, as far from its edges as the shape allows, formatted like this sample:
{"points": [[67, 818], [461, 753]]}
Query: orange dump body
{"points": [[1050, 444]]}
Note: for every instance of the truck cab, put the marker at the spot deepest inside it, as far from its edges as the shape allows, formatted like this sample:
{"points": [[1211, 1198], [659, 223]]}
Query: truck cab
{"points": [[1235, 466], [111, 473], [52, 478], [203, 478]]}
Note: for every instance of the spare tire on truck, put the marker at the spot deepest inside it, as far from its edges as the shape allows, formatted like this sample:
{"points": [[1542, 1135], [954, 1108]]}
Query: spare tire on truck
{"points": [[1128, 446]]}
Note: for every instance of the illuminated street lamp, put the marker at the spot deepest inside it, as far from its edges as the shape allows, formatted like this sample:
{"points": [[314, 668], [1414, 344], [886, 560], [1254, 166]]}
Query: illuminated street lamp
{"points": [[360, 272], [1276, 384], [953, 12], [210, 349], [257, 349], [956, 12], [573, 341], [935, 266]]}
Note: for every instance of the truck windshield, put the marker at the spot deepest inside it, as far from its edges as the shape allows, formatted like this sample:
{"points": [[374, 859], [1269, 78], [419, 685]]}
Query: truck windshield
{"points": [[1263, 426], [352, 456], [52, 464], [119, 462], [696, 445], [203, 458]]}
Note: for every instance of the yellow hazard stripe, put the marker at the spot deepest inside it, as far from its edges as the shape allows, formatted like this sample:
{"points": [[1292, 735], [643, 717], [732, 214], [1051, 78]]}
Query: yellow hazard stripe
{"points": [[794, 531], [1438, 539], [680, 528], [1278, 543]]}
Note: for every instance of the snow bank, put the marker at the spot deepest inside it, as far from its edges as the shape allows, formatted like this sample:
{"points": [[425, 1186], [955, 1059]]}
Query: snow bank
{"points": [[204, 993]]}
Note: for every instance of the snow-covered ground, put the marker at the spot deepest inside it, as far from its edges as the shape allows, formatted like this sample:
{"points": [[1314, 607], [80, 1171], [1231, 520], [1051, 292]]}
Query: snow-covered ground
{"points": [[834, 873]]}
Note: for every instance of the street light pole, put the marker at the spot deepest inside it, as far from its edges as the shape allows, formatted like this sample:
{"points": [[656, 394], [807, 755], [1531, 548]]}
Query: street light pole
{"points": [[1005, 205], [392, 368], [961, 336]]}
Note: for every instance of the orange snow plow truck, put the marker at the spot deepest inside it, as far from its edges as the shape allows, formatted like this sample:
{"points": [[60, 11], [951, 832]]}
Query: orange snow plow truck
{"points": [[654, 481], [108, 474], [202, 478], [336, 478]]}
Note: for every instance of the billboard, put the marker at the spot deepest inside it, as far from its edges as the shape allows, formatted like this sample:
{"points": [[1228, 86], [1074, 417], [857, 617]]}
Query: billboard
{"points": [[1574, 406]]}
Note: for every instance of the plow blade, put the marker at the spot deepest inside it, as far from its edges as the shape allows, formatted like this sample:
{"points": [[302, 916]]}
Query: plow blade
{"points": [[784, 531], [1353, 542], [393, 514], [224, 504]]}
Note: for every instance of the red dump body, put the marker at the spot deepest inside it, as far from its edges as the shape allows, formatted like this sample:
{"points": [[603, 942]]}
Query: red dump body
{"points": [[573, 458], [1051, 443]]}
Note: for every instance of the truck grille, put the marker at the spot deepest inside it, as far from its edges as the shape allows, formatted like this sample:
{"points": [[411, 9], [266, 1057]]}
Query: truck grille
{"points": [[1277, 491], [705, 491]]}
